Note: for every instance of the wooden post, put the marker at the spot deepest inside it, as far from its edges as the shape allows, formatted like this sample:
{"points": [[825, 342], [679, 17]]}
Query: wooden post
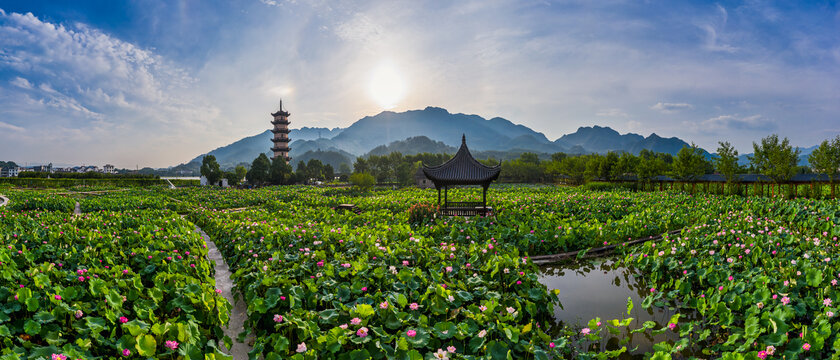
{"points": [[438, 189], [445, 197]]}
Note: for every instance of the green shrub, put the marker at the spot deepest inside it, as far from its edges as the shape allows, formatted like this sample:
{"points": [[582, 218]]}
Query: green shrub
{"points": [[362, 181]]}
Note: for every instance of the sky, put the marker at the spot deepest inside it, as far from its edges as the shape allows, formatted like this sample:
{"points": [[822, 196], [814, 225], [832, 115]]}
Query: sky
{"points": [[156, 83]]}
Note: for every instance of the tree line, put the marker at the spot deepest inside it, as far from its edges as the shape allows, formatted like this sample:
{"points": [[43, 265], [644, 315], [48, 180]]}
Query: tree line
{"points": [[772, 156], [265, 171]]}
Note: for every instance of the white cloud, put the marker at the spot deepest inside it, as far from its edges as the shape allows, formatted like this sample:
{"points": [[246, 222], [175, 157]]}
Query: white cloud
{"points": [[633, 125], [11, 127], [735, 122], [21, 83], [611, 113], [669, 108]]}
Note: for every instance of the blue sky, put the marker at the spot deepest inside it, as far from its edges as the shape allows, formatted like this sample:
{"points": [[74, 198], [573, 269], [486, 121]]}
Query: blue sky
{"points": [[155, 83]]}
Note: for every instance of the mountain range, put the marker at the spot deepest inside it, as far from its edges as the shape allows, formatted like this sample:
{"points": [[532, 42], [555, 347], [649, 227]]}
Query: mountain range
{"points": [[436, 130]]}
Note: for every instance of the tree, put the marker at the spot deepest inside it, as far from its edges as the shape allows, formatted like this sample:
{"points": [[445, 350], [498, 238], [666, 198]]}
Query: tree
{"points": [[625, 166], [232, 178], [314, 169], [775, 159], [558, 156], [529, 158], [605, 168], [280, 172], [362, 181], [825, 159], [329, 173], [210, 169], [240, 171], [727, 162], [575, 168], [302, 173], [650, 165], [344, 169], [361, 165], [259, 170], [690, 163]]}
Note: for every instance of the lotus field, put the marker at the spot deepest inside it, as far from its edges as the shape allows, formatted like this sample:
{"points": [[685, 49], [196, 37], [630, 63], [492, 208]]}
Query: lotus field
{"points": [[752, 278]]}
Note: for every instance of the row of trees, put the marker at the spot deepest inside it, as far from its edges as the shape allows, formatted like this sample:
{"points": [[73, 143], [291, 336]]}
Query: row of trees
{"points": [[264, 171], [773, 157]]}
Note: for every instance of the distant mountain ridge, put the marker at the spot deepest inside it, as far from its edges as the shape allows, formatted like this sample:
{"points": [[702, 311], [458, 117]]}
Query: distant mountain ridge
{"points": [[435, 129]]}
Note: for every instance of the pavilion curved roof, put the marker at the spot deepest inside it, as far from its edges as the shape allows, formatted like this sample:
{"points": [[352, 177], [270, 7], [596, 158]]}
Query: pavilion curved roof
{"points": [[462, 169]]}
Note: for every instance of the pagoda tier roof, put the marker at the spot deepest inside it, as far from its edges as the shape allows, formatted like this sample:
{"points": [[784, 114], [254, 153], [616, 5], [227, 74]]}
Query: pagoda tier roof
{"points": [[462, 169]]}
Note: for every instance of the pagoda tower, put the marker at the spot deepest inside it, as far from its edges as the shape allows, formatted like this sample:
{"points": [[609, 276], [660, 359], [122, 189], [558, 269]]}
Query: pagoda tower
{"points": [[281, 134]]}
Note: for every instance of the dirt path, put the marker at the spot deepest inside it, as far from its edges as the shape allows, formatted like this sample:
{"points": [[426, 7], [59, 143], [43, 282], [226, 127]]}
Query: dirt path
{"points": [[78, 210], [224, 283], [3, 200]]}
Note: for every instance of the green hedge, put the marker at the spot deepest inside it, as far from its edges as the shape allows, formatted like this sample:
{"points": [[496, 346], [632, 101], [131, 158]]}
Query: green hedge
{"points": [[66, 183]]}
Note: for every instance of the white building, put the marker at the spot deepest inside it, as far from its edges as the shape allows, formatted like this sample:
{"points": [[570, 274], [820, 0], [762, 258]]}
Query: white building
{"points": [[10, 172], [109, 169]]}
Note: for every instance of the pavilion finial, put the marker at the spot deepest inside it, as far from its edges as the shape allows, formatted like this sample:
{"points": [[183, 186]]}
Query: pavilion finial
{"points": [[463, 139]]}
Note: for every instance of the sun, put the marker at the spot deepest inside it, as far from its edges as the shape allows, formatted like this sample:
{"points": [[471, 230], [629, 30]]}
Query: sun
{"points": [[387, 85]]}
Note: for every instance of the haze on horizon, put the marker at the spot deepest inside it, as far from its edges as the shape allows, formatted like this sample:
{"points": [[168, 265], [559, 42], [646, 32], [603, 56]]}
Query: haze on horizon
{"points": [[155, 83]]}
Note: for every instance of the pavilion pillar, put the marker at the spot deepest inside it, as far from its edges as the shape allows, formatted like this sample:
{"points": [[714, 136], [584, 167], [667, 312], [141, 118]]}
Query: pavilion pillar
{"points": [[484, 198], [438, 189], [445, 198]]}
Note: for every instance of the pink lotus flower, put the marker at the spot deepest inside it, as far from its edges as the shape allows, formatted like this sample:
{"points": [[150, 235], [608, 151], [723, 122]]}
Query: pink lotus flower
{"points": [[411, 333], [762, 354], [551, 345], [383, 305], [785, 300], [362, 332], [585, 331], [171, 344], [413, 306], [827, 302], [278, 318], [123, 319], [58, 357], [451, 349], [58, 297], [126, 352], [806, 346], [355, 321], [301, 348]]}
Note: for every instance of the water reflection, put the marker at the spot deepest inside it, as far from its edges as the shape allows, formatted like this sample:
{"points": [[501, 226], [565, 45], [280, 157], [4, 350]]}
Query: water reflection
{"points": [[600, 288]]}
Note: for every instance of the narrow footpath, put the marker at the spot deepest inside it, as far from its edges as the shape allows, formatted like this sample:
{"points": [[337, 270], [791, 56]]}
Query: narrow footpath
{"points": [[238, 314], [78, 210], [3, 200]]}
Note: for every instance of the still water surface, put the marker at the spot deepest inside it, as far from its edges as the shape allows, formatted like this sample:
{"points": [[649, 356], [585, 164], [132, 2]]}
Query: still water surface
{"points": [[600, 288]]}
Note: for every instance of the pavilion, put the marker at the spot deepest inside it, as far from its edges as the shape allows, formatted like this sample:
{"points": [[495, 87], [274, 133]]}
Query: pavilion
{"points": [[462, 169]]}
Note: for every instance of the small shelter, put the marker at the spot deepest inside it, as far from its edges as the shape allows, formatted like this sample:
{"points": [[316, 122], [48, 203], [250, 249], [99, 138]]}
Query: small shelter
{"points": [[462, 169]]}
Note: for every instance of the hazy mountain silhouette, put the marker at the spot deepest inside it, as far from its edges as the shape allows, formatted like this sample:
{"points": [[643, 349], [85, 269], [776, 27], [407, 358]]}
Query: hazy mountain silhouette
{"points": [[437, 130]]}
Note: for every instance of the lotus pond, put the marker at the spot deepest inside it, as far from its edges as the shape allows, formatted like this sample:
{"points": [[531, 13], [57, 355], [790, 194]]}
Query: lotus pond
{"points": [[745, 278]]}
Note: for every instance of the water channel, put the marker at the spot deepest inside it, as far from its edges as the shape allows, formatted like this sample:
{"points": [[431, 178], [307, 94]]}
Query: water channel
{"points": [[599, 288]]}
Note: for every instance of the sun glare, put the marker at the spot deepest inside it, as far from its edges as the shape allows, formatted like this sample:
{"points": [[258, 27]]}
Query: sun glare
{"points": [[387, 86]]}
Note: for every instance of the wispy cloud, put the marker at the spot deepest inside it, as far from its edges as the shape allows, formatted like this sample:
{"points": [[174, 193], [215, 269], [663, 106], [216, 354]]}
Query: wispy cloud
{"points": [[611, 113], [729, 123], [21, 83], [10, 127], [90, 81], [669, 108]]}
